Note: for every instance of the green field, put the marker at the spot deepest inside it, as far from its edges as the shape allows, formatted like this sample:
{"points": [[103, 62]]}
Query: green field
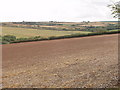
{"points": [[115, 30], [26, 32]]}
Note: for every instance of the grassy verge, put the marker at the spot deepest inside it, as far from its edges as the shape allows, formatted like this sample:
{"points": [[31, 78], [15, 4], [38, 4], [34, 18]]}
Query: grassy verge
{"points": [[7, 39]]}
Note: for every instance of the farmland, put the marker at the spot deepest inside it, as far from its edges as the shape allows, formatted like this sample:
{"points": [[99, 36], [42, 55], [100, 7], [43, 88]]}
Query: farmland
{"points": [[36, 31], [87, 62], [27, 32], [67, 62]]}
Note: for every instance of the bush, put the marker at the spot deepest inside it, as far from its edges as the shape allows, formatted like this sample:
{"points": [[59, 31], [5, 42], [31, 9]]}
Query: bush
{"points": [[8, 38], [22, 39], [36, 37], [52, 37], [4, 42]]}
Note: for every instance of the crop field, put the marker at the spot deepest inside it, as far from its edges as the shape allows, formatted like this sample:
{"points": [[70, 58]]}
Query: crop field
{"points": [[67, 62], [27, 32], [47, 29], [87, 62]]}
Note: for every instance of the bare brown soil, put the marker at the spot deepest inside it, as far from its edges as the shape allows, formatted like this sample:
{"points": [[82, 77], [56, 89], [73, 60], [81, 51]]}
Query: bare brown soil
{"points": [[67, 63]]}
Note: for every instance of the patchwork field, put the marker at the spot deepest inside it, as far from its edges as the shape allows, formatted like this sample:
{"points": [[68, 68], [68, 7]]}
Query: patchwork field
{"points": [[27, 32], [90, 62]]}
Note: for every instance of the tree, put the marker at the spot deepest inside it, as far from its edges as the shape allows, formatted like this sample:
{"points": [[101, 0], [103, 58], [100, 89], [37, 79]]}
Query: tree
{"points": [[115, 8]]}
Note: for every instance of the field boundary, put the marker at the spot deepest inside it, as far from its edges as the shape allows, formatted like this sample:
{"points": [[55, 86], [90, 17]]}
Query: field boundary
{"points": [[60, 37]]}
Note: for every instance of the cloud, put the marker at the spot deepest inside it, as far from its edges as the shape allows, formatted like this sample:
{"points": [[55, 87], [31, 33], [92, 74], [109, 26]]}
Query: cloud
{"points": [[57, 10]]}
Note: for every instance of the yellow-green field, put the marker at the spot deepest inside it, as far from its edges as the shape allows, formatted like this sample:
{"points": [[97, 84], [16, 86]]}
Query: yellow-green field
{"points": [[25, 32]]}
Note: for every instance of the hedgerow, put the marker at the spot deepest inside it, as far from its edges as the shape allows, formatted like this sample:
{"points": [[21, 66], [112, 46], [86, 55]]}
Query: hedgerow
{"points": [[12, 39]]}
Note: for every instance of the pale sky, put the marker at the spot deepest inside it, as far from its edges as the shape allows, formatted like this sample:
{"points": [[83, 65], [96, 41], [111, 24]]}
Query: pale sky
{"points": [[55, 10]]}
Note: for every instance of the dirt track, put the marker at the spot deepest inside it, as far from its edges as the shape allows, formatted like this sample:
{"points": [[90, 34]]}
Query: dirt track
{"points": [[67, 63]]}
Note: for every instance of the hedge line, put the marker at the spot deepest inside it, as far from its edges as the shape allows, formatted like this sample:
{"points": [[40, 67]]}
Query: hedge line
{"points": [[12, 39]]}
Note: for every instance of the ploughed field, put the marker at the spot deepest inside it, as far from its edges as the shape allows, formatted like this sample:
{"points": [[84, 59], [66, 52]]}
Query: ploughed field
{"points": [[67, 63]]}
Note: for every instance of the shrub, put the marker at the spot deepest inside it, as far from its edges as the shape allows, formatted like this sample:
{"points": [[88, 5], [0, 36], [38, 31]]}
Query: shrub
{"points": [[52, 37], [22, 39], [8, 38], [36, 37], [64, 29], [4, 42]]}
